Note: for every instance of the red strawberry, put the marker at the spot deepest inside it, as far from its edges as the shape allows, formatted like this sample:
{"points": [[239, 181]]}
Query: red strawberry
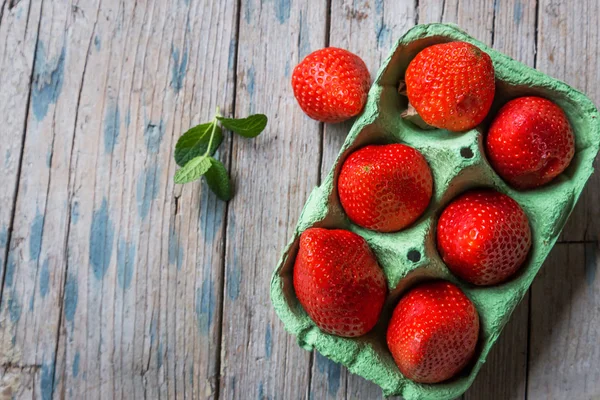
{"points": [[385, 187], [451, 85], [433, 332], [331, 84], [483, 237], [338, 281], [530, 142]]}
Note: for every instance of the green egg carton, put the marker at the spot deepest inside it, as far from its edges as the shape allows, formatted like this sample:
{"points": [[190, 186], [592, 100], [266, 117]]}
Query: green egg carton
{"points": [[458, 163]]}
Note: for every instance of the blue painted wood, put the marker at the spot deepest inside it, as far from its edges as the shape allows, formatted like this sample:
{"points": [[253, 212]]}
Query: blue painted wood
{"points": [[18, 37], [29, 305]]}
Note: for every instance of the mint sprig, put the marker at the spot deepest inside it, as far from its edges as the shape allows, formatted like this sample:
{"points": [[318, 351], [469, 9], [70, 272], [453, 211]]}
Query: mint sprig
{"points": [[195, 148]]}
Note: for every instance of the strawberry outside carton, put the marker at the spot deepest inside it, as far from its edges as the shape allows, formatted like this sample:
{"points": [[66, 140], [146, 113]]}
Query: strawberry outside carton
{"points": [[458, 163]]}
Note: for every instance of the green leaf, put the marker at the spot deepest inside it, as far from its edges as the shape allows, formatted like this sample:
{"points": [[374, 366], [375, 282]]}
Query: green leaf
{"points": [[247, 127], [218, 179], [194, 143], [193, 170]]}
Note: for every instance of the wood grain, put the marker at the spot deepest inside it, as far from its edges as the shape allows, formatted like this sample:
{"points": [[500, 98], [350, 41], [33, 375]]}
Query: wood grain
{"points": [[19, 26], [274, 175], [18, 36], [476, 17], [33, 286], [565, 325]]}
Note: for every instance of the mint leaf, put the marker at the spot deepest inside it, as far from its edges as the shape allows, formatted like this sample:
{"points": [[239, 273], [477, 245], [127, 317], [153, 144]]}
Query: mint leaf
{"points": [[218, 179], [193, 170], [247, 127], [194, 142]]}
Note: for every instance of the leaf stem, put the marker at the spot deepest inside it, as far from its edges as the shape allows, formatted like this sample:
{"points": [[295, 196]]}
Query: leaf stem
{"points": [[212, 132]]}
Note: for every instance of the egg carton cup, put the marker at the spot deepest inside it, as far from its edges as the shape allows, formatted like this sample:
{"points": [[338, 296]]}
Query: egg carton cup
{"points": [[458, 163]]}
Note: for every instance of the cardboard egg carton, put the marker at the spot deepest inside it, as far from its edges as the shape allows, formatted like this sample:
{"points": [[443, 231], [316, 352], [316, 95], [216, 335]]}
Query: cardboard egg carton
{"points": [[458, 163]]}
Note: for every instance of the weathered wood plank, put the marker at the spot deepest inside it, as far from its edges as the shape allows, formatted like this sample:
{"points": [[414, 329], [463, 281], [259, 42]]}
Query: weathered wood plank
{"points": [[430, 11], [328, 379], [474, 16], [33, 287], [19, 25], [200, 219], [86, 351], [568, 50], [18, 36], [274, 175], [17, 48], [565, 325], [368, 29]]}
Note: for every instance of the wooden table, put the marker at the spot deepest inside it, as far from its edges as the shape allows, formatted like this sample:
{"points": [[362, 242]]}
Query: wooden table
{"points": [[117, 283]]}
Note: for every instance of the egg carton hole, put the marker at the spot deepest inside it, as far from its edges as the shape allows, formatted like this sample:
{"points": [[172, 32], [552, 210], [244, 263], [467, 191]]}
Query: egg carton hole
{"points": [[466, 153]]}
